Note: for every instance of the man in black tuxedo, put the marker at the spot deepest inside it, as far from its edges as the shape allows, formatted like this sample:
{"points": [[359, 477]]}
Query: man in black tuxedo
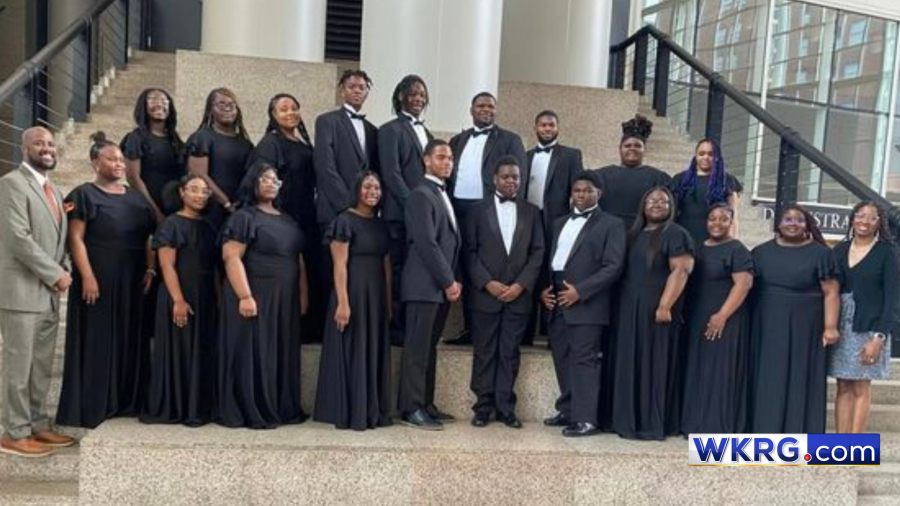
{"points": [[504, 250], [588, 257], [476, 151], [553, 169], [346, 144], [401, 145], [429, 286]]}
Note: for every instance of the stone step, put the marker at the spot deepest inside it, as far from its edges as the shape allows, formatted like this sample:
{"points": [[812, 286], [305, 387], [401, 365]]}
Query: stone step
{"points": [[890, 447], [878, 500], [53, 493], [880, 480], [882, 418], [61, 466], [126, 462], [883, 391]]}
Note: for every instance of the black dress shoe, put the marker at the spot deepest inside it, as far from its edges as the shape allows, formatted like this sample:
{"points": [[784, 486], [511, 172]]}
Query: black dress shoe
{"points": [[481, 419], [581, 429], [510, 420], [463, 338], [421, 420], [557, 420], [439, 415]]}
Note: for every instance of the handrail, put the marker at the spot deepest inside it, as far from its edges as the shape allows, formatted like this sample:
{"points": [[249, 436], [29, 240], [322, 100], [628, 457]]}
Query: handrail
{"points": [[791, 140], [28, 69]]}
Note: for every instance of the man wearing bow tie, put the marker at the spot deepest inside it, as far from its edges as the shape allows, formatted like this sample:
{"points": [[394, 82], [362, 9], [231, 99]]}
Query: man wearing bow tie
{"points": [[401, 144], [346, 144], [477, 151], [429, 286], [587, 258], [504, 249], [32, 262], [553, 169]]}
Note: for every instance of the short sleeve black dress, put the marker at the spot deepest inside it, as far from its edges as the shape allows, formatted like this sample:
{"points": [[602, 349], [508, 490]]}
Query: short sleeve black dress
{"points": [[715, 384], [259, 358], [161, 163], [693, 206], [183, 365], [623, 188], [107, 344], [227, 156], [787, 359], [645, 353], [354, 389], [294, 162]]}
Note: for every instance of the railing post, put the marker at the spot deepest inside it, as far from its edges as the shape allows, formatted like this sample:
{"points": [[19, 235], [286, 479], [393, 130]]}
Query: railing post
{"points": [[661, 80], [639, 81], [88, 36], [788, 176], [715, 110], [127, 30], [617, 69], [35, 97]]}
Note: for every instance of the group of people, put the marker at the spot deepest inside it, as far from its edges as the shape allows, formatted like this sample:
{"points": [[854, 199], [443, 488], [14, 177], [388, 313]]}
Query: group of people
{"points": [[192, 286]]}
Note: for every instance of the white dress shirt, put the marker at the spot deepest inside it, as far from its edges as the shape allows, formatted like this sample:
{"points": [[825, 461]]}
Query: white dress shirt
{"points": [[469, 184], [418, 128], [358, 125], [41, 179], [446, 197], [537, 180], [567, 238], [506, 216]]}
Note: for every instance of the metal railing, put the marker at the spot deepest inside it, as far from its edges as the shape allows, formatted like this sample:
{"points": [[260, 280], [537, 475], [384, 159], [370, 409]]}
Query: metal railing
{"points": [[54, 87], [774, 161]]}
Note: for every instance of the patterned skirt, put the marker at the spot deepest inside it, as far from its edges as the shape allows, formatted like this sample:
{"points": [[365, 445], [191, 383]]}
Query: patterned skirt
{"points": [[843, 358]]}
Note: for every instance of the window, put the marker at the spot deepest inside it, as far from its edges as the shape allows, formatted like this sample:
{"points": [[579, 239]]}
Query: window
{"points": [[803, 46], [721, 35], [857, 32], [718, 62], [850, 70], [801, 76]]}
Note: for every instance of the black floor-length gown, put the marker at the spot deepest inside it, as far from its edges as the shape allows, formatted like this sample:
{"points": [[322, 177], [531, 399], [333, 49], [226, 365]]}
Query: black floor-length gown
{"points": [[788, 382], [354, 372], [715, 384], [259, 358], [294, 162], [161, 163], [107, 344], [227, 157], [645, 370], [182, 387], [693, 208]]}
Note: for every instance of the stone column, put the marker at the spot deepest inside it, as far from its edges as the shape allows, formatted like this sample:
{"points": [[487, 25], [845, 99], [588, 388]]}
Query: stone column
{"points": [[453, 44], [285, 29], [560, 42]]}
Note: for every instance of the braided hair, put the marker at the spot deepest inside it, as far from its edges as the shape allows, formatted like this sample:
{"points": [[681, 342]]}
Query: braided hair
{"points": [[403, 89], [717, 191], [211, 104], [355, 73], [273, 124]]}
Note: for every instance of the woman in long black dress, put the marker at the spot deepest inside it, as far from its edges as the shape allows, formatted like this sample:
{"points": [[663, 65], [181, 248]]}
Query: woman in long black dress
{"points": [[644, 351], [218, 151], [705, 183], [154, 152], [354, 373], [867, 267], [717, 333], [288, 147], [107, 328], [183, 365], [795, 316], [263, 300]]}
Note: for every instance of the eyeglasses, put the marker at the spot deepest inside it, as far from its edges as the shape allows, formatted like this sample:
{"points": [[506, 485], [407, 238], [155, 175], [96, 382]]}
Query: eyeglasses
{"points": [[274, 181], [793, 221], [655, 202], [225, 106], [196, 190], [871, 218], [158, 100]]}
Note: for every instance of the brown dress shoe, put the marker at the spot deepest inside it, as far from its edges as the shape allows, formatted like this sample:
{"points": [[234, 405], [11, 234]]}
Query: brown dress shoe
{"points": [[25, 447], [53, 439]]}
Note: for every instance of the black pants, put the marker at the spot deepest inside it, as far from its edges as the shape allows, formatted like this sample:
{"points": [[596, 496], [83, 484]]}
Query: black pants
{"points": [[397, 234], [495, 361], [418, 364], [462, 209], [576, 350]]}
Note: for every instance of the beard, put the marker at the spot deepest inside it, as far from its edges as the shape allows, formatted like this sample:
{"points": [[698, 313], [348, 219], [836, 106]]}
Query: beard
{"points": [[39, 164]]}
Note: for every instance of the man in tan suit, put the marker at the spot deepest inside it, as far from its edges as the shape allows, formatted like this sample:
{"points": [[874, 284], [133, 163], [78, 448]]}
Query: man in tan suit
{"points": [[34, 274]]}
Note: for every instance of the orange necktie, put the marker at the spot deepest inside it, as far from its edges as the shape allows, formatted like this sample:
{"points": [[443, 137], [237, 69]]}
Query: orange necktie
{"points": [[51, 198]]}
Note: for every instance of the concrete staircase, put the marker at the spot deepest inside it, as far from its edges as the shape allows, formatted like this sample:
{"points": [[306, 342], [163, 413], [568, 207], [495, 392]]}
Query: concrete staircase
{"points": [[123, 451]]}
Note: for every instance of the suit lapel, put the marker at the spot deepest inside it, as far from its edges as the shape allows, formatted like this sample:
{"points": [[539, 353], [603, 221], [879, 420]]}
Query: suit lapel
{"points": [[592, 220], [344, 120], [494, 223], [489, 145], [33, 184], [551, 167], [411, 133], [519, 232]]}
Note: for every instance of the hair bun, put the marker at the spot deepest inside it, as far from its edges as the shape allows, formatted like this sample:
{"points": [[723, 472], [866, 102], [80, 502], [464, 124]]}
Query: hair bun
{"points": [[99, 137]]}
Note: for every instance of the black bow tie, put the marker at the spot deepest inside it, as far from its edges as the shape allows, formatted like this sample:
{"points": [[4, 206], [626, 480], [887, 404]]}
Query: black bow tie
{"points": [[504, 200], [476, 133], [418, 122], [586, 215], [438, 186], [356, 115], [548, 149]]}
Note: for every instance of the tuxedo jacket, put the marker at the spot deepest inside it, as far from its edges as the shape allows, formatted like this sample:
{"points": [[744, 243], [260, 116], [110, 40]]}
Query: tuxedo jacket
{"points": [[486, 258], [402, 164], [565, 165], [499, 143], [594, 265], [339, 158], [433, 246], [32, 245]]}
